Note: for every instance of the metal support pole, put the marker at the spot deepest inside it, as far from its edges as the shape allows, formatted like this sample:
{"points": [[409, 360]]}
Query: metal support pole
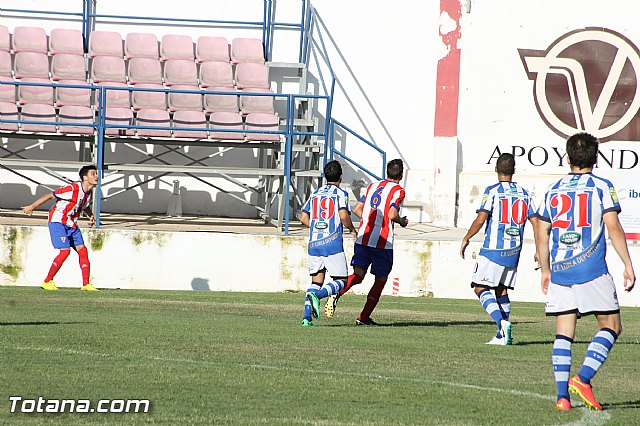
{"points": [[287, 160], [102, 107]]}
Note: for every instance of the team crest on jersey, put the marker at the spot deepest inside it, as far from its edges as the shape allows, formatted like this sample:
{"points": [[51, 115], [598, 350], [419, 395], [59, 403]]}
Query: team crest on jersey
{"points": [[485, 197], [570, 238], [614, 196], [513, 231], [63, 239], [321, 225]]}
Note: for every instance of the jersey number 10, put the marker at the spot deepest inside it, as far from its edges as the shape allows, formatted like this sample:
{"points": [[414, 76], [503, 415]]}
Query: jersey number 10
{"points": [[517, 210]]}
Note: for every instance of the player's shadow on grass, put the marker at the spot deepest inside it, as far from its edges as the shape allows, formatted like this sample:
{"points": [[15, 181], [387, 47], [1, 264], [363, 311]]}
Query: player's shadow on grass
{"points": [[550, 342], [5, 324], [443, 323], [624, 404]]}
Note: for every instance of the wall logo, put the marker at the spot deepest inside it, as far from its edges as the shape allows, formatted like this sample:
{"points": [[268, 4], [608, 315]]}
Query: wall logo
{"points": [[588, 80]]}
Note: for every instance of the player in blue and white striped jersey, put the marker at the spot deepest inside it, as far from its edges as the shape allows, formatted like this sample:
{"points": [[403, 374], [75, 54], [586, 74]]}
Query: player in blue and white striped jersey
{"points": [[572, 248], [325, 213], [505, 207]]}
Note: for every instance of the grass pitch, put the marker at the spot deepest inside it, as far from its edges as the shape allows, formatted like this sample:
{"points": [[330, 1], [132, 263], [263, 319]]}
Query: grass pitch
{"points": [[243, 358]]}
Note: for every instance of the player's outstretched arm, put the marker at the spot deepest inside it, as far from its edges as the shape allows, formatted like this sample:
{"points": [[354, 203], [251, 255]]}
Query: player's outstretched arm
{"points": [[616, 234], [304, 218], [40, 201], [476, 226], [542, 248], [346, 221], [357, 209]]}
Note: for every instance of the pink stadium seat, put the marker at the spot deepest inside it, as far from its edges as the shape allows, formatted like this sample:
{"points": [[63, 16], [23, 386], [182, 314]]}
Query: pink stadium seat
{"points": [[29, 39], [264, 104], [5, 44], [73, 96], [153, 100], [8, 111], [247, 50], [5, 63], [180, 71], [212, 49], [65, 66], [108, 68], [251, 75], [123, 116], [38, 112], [116, 98], [105, 43], [35, 94], [216, 74], [153, 117], [259, 121], [145, 70], [31, 65], [65, 41], [141, 45], [220, 103], [176, 47], [7, 91], [76, 114], [227, 121], [185, 101], [194, 119]]}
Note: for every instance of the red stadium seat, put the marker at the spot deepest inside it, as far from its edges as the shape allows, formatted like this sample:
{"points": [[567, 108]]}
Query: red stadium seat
{"points": [[66, 41], [31, 65], [72, 95], [141, 45], [76, 114], [153, 100], [122, 116], [193, 119], [259, 121], [38, 112], [216, 74], [175, 46], [108, 69], [145, 70], [226, 121], [264, 104], [185, 101], [251, 75], [212, 49], [35, 94], [8, 111], [180, 71], [5, 39], [153, 117], [29, 39], [65, 66], [220, 103], [105, 43], [247, 50]]}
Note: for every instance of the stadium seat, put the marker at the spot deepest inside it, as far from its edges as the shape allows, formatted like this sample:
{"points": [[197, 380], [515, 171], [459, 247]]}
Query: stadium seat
{"points": [[66, 41], [66, 66], [194, 119], [105, 43], [153, 117], [227, 121], [38, 112], [31, 65], [7, 91], [108, 68], [259, 121], [175, 46], [123, 116], [76, 114], [220, 103], [216, 74], [247, 50], [116, 98], [29, 39], [185, 101], [35, 94], [141, 45], [264, 104], [8, 111], [212, 49], [180, 71], [145, 70], [251, 75], [153, 100], [5, 39], [5, 63], [71, 95]]}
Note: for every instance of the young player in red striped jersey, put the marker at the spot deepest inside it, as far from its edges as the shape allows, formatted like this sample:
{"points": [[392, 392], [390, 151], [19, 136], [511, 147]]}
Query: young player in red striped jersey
{"points": [[378, 210], [71, 200]]}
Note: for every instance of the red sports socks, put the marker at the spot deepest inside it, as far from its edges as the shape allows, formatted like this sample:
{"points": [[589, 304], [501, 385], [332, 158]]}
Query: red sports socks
{"points": [[85, 266], [372, 300], [351, 281], [56, 264]]}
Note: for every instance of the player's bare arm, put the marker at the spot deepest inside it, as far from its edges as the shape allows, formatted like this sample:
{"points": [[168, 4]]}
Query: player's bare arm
{"points": [[394, 216], [92, 219], [475, 227], [357, 210], [304, 219], [535, 222], [616, 234], [40, 201], [346, 221], [542, 245]]}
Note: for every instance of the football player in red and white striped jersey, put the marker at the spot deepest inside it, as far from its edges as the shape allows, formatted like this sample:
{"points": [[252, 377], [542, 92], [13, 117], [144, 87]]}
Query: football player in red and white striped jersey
{"points": [[71, 201], [378, 210]]}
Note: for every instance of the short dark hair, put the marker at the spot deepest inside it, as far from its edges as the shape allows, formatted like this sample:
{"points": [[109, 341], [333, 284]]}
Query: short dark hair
{"points": [[84, 170], [395, 169], [332, 171], [506, 164], [582, 149]]}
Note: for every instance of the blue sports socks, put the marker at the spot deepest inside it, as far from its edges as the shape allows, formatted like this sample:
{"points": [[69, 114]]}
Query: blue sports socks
{"points": [[561, 359], [328, 289], [313, 288], [490, 305], [597, 353], [505, 306]]}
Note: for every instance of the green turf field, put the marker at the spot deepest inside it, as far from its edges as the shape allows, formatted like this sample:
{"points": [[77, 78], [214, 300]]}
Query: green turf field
{"points": [[243, 358]]}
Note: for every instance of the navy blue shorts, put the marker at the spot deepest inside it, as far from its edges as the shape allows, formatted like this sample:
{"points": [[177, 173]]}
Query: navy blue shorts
{"points": [[381, 260], [64, 237]]}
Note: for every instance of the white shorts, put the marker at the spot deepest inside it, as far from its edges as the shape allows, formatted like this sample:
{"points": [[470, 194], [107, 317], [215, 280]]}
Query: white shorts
{"points": [[492, 275], [597, 296], [335, 264]]}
